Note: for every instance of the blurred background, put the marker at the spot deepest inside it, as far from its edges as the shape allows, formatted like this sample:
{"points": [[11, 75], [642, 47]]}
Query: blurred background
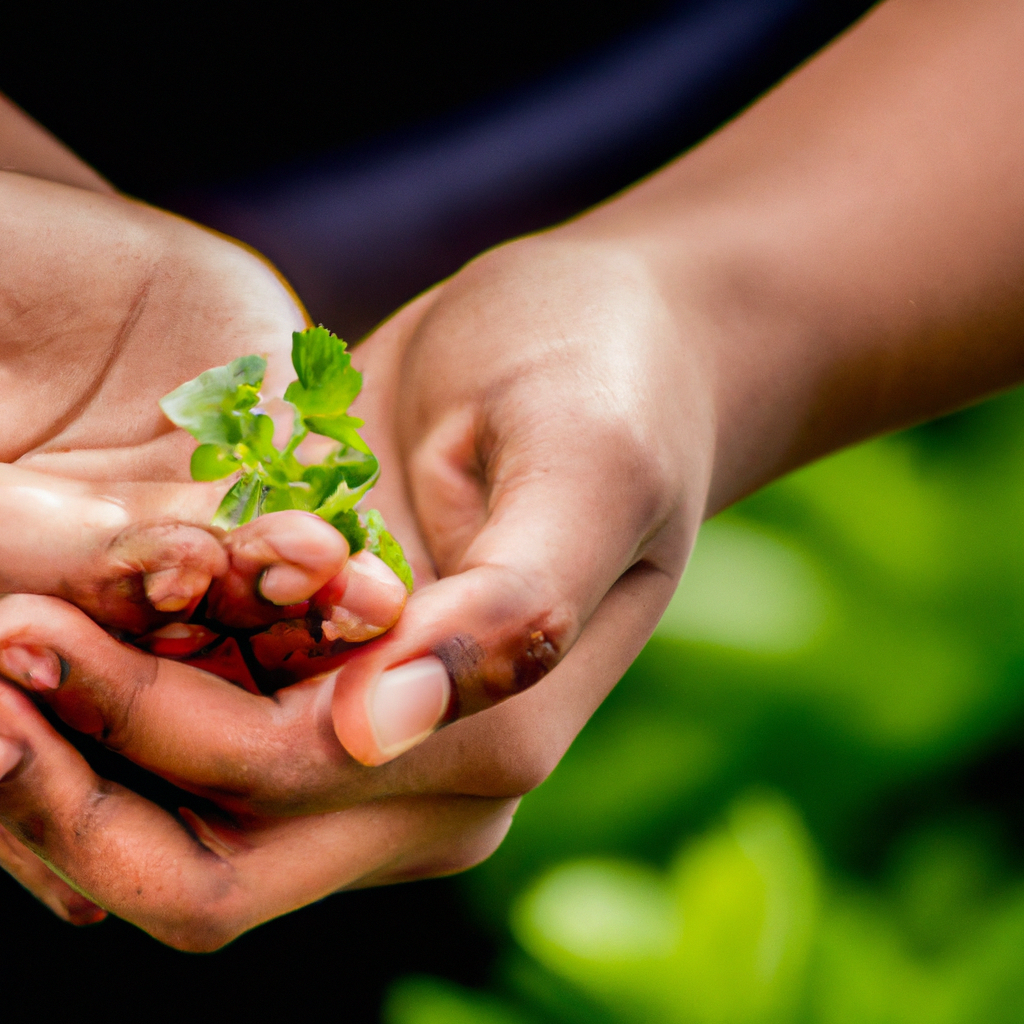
{"points": [[803, 802]]}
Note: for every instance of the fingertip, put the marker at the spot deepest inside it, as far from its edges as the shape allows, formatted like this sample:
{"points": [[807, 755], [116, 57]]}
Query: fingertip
{"points": [[283, 558], [81, 911], [284, 585], [11, 755], [176, 589], [391, 712], [300, 538], [363, 601]]}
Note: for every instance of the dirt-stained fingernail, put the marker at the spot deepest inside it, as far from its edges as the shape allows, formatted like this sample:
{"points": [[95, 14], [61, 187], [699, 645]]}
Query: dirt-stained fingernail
{"points": [[284, 585], [11, 754], [173, 590], [363, 602], [407, 703], [33, 666]]}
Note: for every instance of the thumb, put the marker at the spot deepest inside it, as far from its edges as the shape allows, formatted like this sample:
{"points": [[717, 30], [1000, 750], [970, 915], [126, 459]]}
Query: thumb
{"points": [[553, 543]]}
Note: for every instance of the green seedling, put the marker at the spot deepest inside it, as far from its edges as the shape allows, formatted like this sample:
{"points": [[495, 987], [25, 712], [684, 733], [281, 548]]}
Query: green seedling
{"points": [[220, 409]]}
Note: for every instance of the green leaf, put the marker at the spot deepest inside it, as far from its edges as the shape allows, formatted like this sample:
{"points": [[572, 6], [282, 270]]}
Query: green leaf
{"points": [[343, 497], [215, 407], [241, 504], [213, 462], [382, 544], [260, 438], [327, 383], [341, 428], [348, 525]]}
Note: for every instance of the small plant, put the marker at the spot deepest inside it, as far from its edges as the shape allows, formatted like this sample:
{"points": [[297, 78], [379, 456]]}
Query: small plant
{"points": [[220, 409]]}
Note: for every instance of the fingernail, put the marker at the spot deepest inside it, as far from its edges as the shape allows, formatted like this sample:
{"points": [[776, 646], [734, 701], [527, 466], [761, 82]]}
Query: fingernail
{"points": [[173, 590], [284, 585], [82, 911], [34, 666], [10, 757], [407, 703], [314, 542], [372, 600]]}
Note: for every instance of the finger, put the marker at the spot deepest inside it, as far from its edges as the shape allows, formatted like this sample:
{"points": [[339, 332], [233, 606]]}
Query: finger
{"points": [[123, 853], [117, 554], [529, 557], [200, 886], [276, 562], [247, 752], [362, 601], [152, 566], [49, 888]]}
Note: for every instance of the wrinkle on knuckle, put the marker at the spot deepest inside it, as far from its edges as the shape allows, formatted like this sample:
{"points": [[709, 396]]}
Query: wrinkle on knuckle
{"points": [[120, 709]]}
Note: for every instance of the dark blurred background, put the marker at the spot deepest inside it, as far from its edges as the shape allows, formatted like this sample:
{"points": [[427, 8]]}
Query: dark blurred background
{"points": [[371, 149], [803, 803]]}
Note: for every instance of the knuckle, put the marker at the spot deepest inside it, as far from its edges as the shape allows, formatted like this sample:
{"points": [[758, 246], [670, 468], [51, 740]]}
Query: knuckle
{"points": [[207, 917], [116, 708], [515, 772], [200, 933], [480, 832]]}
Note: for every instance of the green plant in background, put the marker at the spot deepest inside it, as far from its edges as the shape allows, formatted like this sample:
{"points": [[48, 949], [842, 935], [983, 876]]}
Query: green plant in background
{"points": [[772, 818]]}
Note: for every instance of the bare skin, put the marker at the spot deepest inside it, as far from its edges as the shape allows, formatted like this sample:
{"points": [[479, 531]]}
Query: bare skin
{"points": [[843, 259], [95, 506]]}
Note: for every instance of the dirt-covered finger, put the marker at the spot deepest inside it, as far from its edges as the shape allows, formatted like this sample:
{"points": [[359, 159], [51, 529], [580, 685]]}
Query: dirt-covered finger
{"points": [[362, 601], [463, 645], [212, 738], [121, 852], [163, 566], [277, 562]]}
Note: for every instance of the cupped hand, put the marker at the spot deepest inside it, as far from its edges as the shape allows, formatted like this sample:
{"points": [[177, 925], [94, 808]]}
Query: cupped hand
{"points": [[555, 438], [105, 306]]}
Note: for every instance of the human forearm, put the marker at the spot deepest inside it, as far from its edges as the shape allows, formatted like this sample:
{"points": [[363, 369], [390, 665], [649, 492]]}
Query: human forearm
{"points": [[848, 254], [28, 148]]}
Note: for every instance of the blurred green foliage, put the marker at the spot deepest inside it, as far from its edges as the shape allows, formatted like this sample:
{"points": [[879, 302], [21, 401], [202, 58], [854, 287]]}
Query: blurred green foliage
{"points": [[803, 803]]}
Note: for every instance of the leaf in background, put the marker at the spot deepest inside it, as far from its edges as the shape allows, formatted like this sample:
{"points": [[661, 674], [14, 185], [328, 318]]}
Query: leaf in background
{"points": [[215, 406]]}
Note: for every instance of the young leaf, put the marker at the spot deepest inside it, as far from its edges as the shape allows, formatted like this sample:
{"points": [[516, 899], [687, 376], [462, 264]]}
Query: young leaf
{"points": [[213, 462], [348, 525], [214, 408], [341, 428], [327, 383], [241, 504], [325, 369], [380, 543]]}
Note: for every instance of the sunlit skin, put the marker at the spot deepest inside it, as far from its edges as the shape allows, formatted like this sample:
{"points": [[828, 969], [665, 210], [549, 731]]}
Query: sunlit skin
{"points": [[554, 422]]}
